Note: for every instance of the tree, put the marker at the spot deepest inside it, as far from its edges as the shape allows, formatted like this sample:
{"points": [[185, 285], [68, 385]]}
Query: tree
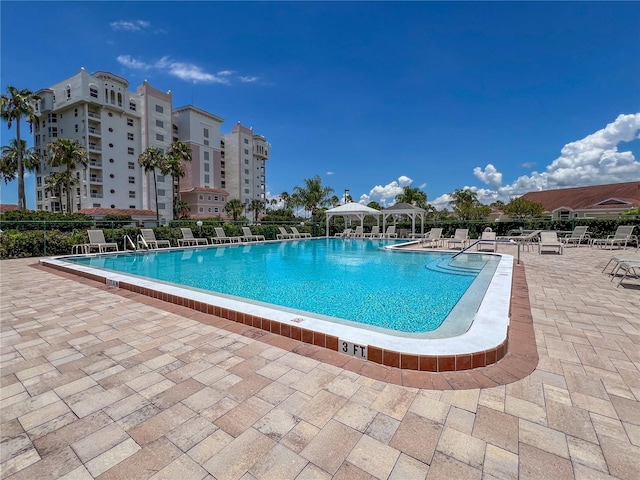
{"points": [[70, 154], [521, 208], [413, 196], [286, 200], [183, 209], [257, 207], [334, 201], [14, 106], [149, 160], [9, 160], [375, 205], [174, 165], [466, 205], [59, 183], [234, 207], [313, 196]]}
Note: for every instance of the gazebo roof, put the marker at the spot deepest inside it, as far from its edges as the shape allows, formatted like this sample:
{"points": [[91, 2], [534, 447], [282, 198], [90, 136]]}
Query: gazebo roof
{"points": [[403, 209], [352, 208]]}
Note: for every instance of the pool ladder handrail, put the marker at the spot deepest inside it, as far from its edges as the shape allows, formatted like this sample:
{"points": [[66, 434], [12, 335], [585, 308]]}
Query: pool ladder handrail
{"points": [[128, 241], [141, 241], [496, 240]]}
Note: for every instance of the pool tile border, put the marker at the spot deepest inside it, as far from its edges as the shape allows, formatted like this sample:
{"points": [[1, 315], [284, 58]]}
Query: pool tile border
{"points": [[513, 359]]}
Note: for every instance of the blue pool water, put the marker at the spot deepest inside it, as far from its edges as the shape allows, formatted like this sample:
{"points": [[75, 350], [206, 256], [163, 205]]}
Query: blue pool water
{"points": [[354, 280]]}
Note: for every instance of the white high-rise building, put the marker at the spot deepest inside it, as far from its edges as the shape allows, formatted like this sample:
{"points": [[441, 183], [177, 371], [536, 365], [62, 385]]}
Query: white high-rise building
{"points": [[116, 125], [244, 164]]}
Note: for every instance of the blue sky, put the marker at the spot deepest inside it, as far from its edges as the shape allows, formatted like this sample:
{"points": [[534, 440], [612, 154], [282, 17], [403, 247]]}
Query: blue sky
{"points": [[503, 98]]}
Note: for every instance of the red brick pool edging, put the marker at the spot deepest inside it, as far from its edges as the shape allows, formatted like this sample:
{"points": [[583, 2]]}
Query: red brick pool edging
{"points": [[512, 360]]}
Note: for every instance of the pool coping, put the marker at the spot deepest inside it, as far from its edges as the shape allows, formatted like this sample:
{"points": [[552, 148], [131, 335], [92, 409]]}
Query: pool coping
{"points": [[463, 352]]}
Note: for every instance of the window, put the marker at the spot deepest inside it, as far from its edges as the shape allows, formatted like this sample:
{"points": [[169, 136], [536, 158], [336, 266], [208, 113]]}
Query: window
{"points": [[159, 137], [209, 209], [132, 179], [207, 179], [206, 155], [53, 131], [110, 114], [119, 99], [111, 145], [160, 178], [132, 194], [132, 106], [111, 160], [206, 167], [161, 206], [130, 151], [206, 142], [246, 171], [215, 198], [159, 123], [209, 198], [130, 122], [215, 209], [93, 91], [205, 133], [161, 192], [52, 117], [200, 197], [159, 109], [76, 128], [132, 166], [201, 209], [246, 190], [68, 92], [129, 136], [75, 112], [39, 181], [246, 140], [112, 191], [246, 151], [246, 181], [246, 161], [132, 206]]}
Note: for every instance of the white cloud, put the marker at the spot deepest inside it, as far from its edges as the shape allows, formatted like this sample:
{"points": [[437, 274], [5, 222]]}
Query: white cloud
{"points": [[490, 175], [248, 79], [385, 195], [329, 173], [130, 26], [182, 70], [593, 160]]}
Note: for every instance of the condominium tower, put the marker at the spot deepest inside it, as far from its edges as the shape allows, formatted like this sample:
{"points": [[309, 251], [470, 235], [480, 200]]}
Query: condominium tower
{"points": [[116, 125]]}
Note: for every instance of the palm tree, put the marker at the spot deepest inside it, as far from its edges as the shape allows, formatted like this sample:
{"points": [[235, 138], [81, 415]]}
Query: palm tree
{"points": [[14, 106], [234, 207], [9, 160], [70, 154], [413, 196], [313, 195], [286, 198], [149, 160], [178, 154], [59, 182], [257, 207], [183, 209]]}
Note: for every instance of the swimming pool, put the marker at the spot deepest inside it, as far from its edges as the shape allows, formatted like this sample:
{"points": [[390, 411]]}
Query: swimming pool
{"points": [[480, 315], [340, 280]]}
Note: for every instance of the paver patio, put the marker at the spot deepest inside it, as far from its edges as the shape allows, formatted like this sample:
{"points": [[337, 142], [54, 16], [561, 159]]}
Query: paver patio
{"points": [[98, 382]]}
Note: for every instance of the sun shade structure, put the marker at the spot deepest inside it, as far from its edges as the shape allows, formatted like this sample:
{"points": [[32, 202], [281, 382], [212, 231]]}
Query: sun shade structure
{"points": [[352, 210], [396, 211]]}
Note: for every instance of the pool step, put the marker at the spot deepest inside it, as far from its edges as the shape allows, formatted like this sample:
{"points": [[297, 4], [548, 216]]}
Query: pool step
{"points": [[457, 266]]}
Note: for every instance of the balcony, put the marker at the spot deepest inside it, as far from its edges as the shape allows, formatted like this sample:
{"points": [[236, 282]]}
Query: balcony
{"points": [[96, 195], [95, 115], [94, 132], [95, 163], [95, 147], [95, 179]]}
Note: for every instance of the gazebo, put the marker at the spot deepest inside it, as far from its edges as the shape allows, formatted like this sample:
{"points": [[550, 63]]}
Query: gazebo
{"points": [[352, 210], [400, 209]]}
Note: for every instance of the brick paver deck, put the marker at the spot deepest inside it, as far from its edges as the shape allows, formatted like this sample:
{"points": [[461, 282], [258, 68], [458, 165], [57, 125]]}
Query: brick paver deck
{"points": [[97, 382]]}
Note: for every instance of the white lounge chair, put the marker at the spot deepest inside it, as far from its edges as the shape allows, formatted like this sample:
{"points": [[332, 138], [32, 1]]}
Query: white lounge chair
{"points": [[526, 240], [390, 233], [375, 232], [188, 238], [432, 238], [487, 242], [221, 237], [97, 240], [250, 237], [147, 239], [576, 237], [359, 232], [549, 240], [629, 268], [346, 233], [284, 235], [460, 237], [300, 234], [616, 260], [622, 236]]}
